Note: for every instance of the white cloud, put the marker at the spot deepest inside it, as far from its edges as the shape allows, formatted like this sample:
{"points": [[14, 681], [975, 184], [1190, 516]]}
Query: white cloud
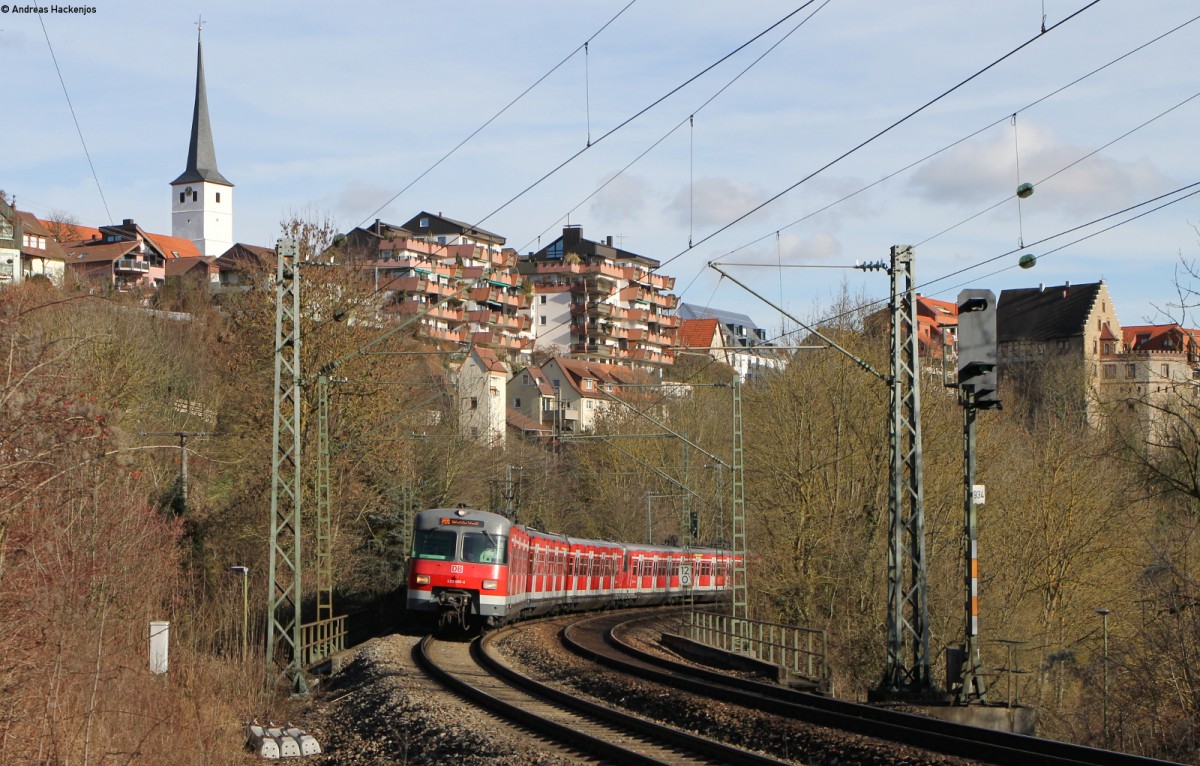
{"points": [[714, 201], [978, 172], [622, 199], [821, 247]]}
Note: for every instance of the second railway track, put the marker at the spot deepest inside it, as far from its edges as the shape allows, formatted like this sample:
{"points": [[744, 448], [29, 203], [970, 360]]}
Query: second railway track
{"points": [[478, 673]]}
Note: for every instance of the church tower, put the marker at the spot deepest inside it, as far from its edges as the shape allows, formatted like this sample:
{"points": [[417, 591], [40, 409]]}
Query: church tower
{"points": [[202, 198]]}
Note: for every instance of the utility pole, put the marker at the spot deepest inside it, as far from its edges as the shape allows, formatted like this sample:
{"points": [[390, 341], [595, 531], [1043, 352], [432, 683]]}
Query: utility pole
{"points": [[907, 673], [510, 492], [183, 436], [283, 596]]}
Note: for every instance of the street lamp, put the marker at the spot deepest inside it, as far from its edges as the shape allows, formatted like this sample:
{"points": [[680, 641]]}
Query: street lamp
{"points": [[244, 573], [1104, 617]]}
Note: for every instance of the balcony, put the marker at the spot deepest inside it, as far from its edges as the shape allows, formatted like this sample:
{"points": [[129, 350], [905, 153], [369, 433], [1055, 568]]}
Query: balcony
{"points": [[652, 357], [447, 313], [436, 333], [131, 265], [655, 281], [558, 266], [496, 295]]}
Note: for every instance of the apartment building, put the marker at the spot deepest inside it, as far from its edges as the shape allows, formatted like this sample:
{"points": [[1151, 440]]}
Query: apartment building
{"points": [[433, 260], [599, 302]]}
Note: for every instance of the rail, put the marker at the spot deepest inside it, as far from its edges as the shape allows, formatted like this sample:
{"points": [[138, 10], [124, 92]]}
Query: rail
{"points": [[322, 639], [801, 651]]}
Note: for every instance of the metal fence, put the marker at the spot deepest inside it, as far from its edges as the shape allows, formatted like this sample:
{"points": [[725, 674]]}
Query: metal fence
{"points": [[801, 651], [322, 639]]}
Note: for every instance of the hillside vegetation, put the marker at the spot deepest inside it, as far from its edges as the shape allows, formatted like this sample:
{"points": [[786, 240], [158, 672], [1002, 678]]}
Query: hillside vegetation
{"points": [[97, 537]]}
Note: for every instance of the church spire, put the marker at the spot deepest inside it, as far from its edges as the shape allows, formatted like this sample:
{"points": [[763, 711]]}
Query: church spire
{"points": [[202, 157]]}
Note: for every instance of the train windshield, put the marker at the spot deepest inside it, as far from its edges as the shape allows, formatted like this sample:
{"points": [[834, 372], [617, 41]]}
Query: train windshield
{"points": [[435, 544], [484, 548]]}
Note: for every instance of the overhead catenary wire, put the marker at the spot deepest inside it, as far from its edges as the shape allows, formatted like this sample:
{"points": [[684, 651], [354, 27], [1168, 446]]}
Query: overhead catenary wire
{"points": [[969, 136], [643, 111], [74, 118], [494, 117], [880, 133], [686, 121]]}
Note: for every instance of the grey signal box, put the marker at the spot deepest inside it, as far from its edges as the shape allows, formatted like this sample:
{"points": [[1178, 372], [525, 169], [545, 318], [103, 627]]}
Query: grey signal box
{"points": [[977, 346]]}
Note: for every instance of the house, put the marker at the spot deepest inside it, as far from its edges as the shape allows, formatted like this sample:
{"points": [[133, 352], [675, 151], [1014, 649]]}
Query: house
{"points": [[1051, 341], [568, 394], [11, 239], [480, 384], [243, 267], [1154, 365], [738, 341], [937, 326], [125, 256], [41, 254], [601, 302], [531, 395]]}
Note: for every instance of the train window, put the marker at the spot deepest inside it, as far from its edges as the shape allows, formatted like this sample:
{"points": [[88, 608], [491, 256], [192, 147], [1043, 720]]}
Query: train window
{"points": [[434, 544], [485, 548]]}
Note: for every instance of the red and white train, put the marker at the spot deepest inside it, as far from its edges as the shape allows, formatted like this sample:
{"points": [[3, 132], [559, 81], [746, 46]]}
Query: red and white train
{"points": [[478, 569]]}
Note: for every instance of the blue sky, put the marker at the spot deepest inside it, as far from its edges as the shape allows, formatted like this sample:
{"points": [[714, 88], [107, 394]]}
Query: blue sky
{"points": [[320, 108]]}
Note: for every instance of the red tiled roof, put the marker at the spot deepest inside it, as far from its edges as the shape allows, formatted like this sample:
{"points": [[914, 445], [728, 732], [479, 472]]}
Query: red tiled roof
{"points": [[697, 333], [177, 266], [1154, 336], [577, 370], [491, 362], [523, 422], [175, 246], [98, 253]]}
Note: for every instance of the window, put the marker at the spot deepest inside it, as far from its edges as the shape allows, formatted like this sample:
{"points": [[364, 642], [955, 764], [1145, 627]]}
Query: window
{"points": [[218, 196], [517, 401], [484, 548], [1110, 370], [1166, 371], [525, 379], [543, 299], [182, 196], [589, 404], [1108, 348], [556, 383], [423, 223], [588, 384], [195, 196], [542, 320], [1130, 370], [434, 544], [441, 239], [474, 402]]}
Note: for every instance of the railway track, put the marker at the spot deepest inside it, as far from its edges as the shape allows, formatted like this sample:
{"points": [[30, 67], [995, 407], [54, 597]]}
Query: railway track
{"points": [[478, 673], [598, 639]]}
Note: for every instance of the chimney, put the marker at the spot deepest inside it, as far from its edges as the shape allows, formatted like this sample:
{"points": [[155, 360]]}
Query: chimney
{"points": [[572, 236], [608, 240], [127, 222]]}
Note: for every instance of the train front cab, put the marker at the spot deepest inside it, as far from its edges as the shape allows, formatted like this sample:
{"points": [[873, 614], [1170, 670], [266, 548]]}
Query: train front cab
{"points": [[459, 567]]}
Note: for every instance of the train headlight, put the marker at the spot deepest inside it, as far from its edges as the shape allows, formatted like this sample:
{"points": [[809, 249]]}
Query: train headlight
{"points": [[422, 579], [489, 584]]}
